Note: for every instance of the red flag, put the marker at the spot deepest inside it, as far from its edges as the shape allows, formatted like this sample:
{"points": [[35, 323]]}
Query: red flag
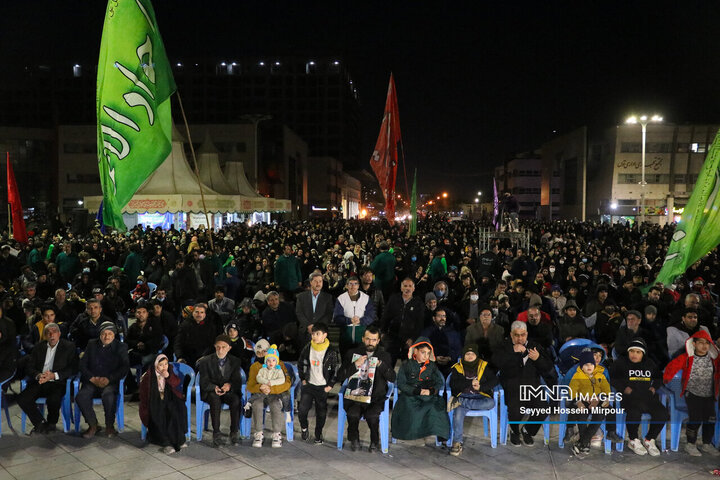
{"points": [[388, 150], [19, 232]]}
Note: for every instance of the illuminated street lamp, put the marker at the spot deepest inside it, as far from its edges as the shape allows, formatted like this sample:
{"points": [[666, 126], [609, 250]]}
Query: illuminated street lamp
{"points": [[643, 120], [444, 195]]}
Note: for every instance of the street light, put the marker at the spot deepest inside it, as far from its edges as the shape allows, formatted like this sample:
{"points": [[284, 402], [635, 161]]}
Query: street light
{"points": [[643, 120], [479, 194], [444, 194]]}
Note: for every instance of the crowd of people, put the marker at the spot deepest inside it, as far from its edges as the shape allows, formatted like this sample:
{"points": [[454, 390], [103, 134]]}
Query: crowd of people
{"points": [[263, 299]]}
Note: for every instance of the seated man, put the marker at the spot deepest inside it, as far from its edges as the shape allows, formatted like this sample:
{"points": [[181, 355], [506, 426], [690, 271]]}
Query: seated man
{"points": [[48, 315], [363, 358], [445, 339], [221, 382], [195, 336], [678, 333], [353, 312], [86, 326], [224, 307], [471, 383], [102, 366], [51, 363], [522, 362], [144, 337], [420, 411]]}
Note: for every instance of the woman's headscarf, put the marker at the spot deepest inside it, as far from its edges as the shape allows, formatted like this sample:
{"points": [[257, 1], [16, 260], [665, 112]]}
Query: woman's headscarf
{"points": [[160, 378]]}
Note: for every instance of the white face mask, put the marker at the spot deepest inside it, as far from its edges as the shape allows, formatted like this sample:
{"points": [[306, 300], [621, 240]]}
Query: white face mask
{"points": [[495, 312], [552, 270], [474, 298]]}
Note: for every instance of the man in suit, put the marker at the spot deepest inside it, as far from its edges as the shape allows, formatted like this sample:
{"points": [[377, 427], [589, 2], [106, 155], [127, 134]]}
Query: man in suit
{"points": [[102, 366], [313, 306], [51, 363], [220, 382]]}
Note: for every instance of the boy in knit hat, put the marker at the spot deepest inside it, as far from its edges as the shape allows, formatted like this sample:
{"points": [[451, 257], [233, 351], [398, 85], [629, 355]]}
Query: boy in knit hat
{"points": [[590, 389], [638, 378], [317, 367]]}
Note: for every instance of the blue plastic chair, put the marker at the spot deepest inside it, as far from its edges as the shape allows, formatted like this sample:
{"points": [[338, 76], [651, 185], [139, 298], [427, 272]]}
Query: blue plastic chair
{"points": [[152, 287], [65, 406], [187, 372], [489, 416], [202, 409], [384, 418], [644, 426], [679, 411], [3, 403], [504, 421], [120, 401]]}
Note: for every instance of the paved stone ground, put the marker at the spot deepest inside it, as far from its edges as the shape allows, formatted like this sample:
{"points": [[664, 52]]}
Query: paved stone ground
{"points": [[68, 456]]}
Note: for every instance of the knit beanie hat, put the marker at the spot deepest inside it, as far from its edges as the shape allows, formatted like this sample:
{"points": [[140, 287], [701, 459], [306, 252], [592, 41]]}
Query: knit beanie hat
{"points": [[470, 347], [261, 345], [108, 326], [586, 357], [639, 344], [430, 296], [273, 353]]}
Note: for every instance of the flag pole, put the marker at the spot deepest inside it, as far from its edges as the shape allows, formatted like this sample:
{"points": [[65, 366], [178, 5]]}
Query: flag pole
{"points": [[197, 171], [9, 214]]}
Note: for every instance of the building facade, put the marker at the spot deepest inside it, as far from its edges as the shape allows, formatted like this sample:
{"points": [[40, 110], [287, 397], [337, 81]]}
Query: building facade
{"points": [[522, 176]]}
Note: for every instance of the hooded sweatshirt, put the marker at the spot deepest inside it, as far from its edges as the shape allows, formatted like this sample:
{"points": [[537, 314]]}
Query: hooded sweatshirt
{"points": [[686, 361]]}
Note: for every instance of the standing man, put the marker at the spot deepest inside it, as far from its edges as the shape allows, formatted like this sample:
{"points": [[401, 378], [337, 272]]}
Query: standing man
{"points": [[383, 266], [51, 363], [288, 276], [222, 305], [220, 382], [384, 373], [353, 312], [403, 319], [313, 306], [102, 366]]}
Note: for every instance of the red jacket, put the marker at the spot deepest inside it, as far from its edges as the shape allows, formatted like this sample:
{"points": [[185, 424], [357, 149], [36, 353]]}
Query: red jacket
{"points": [[684, 362]]}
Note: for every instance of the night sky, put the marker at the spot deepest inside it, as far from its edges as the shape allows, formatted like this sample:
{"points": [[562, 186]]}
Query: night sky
{"points": [[476, 81]]}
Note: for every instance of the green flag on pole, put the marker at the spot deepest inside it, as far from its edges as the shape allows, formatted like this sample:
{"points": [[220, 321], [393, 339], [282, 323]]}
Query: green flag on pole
{"points": [[699, 229], [134, 85], [413, 207]]}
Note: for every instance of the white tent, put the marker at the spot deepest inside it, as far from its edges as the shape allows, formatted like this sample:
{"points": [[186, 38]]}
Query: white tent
{"points": [[173, 188], [235, 174], [209, 166]]}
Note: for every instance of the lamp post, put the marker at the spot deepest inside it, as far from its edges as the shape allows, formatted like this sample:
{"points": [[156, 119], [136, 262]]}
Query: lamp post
{"points": [[256, 118], [643, 120]]}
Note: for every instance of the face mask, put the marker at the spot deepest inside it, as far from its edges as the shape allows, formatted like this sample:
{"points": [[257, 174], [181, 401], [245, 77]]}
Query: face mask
{"points": [[439, 293], [552, 270], [562, 261], [413, 258], [495, 312], [474, 298]]}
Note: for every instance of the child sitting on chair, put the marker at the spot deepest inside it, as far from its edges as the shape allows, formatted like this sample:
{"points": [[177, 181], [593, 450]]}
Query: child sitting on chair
{"points": [[272, 374]]}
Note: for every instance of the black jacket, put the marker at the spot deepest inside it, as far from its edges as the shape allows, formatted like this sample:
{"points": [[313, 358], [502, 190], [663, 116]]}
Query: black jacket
{"points": [[304, 310], [64, 364], [211, 377], [195, 340], [115, 361], [150, 335], [403, 320], [8, 348], [384, 372], [638, 376], [513, 372], [331, 362]]}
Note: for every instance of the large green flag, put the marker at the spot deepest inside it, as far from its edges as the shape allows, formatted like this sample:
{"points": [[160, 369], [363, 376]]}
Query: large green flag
{"points": [[134, 85], [699, 229], [413, 208]]}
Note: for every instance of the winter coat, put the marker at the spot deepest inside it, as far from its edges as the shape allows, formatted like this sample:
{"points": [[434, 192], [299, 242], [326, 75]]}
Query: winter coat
{"points": [[684, 362]]}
